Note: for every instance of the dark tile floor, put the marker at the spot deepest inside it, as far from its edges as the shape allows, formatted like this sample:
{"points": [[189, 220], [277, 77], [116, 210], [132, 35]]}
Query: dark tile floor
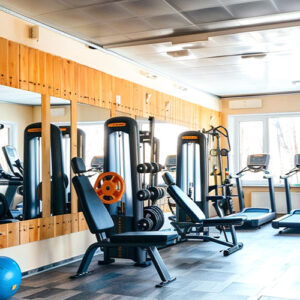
{"points": [[268, 267]]}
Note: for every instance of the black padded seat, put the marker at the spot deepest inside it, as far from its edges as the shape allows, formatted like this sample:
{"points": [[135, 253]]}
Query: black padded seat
{"points": [[145, 238], [195, 213]]}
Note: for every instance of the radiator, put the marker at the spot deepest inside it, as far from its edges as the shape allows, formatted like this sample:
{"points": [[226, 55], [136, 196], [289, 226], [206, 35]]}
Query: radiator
{"points": [[261, 199]]}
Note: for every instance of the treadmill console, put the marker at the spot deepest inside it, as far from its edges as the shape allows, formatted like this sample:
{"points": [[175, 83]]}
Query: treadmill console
{"points": [[258, 162], [297, 161], [170, 163], [12, 158]]}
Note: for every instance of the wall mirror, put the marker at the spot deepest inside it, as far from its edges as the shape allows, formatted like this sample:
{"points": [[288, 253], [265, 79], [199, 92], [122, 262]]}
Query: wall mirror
{"points": [[20, 154], [90, 124]]}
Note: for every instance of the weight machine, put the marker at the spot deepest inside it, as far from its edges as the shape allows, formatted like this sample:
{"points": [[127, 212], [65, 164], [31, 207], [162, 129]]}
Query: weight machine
{"points": [[32, 172], [218, 169]]}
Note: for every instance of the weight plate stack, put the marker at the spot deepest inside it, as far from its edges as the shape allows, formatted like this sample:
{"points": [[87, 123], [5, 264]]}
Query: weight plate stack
{"points": [[161, 216]]}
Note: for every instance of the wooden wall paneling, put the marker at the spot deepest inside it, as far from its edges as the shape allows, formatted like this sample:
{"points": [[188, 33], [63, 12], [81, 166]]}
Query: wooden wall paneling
{"points": [[32, 69], [47, 227], [3, 61], [49, 73], [107, 90], [34, 230], [24, 232], [127, 96], [67, 224], [97, 87], [24, 64], [13, 234], [43, 71], [75, 222], [76, 90], [3, 236], [66, 78], [82, 225], [83, 84], [91, 86], [74, 200], [57, 76], [13, 64], [58, 225], [117, 89], [46, 191], [37, 72]]}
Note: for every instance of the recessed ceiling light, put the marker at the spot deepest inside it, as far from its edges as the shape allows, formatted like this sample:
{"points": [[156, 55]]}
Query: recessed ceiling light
{"points": [[179, 53]]}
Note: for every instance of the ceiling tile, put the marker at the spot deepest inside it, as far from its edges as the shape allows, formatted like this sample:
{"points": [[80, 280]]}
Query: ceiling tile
{"points": [[148, 7], [167, 21], [287, 5], [34, 7], [81, 3], [184, 5], [110, 39], [67, 18], [252, 9], [206, 15], [151, 34], [130, 25], [107, 12], [94, 30]]}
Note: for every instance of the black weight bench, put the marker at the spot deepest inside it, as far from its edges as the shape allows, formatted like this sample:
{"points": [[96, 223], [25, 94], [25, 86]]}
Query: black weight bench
{"points": [[100, 221], [199, 221]]}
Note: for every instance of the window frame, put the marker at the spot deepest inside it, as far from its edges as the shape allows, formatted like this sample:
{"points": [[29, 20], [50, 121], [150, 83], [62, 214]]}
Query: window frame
{"points": [[234, 128]]}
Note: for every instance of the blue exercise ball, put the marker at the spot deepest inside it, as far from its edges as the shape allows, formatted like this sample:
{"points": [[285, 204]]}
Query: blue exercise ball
{"points": [[10, 277]]}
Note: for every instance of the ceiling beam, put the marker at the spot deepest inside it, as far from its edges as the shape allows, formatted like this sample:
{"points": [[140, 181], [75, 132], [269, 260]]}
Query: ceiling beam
{"points": [[203, 36]]}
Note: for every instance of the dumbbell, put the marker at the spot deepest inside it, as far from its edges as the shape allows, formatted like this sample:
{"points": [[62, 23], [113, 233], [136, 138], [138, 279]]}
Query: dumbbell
{"points": [[149, 168], [153, 193], [144, 168]]}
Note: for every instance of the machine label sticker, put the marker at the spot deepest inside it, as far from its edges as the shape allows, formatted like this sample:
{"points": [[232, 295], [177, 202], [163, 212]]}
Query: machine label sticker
{"points": [[190, 137], [120, 124]]}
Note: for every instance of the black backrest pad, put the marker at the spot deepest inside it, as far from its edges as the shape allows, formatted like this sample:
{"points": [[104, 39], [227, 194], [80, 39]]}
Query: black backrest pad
{"points": [[78, 165], [186, 203], [168, 179], [93, 209]]}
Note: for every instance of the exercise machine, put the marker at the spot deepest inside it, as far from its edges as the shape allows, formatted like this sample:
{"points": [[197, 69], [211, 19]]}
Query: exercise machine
{"points": [[197, 221], [256, 216], [101, 223], [8, 212], [292, 218], [218, 169], [32, 172]]}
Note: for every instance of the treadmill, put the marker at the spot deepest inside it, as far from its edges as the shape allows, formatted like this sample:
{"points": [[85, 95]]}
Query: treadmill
{"points": [[256, 216], [292, 218]]}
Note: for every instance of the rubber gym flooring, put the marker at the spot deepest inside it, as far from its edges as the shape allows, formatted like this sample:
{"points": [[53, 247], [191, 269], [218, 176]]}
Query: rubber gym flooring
{"points": [[268, 267]]}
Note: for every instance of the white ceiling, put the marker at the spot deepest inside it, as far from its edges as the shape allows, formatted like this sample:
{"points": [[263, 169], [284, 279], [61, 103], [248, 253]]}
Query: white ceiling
{"points": [[143, 31]]}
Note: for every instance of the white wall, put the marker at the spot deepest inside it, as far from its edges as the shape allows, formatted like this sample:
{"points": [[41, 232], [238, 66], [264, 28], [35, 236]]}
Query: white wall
{"points": [[33, 255], [17, 30]]}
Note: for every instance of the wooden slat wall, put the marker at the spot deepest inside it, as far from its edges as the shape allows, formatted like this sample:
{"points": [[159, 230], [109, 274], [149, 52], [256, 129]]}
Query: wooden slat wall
{"points": [[33, 70], [30, 69]]}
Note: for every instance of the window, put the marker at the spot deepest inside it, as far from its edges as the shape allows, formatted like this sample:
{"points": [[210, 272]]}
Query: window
{"points": [[275, 134], [94, 137]]}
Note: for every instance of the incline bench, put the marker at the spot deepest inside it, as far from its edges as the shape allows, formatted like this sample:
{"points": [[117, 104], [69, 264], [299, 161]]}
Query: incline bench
{"points": [[100, 221], [199, 221]]}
